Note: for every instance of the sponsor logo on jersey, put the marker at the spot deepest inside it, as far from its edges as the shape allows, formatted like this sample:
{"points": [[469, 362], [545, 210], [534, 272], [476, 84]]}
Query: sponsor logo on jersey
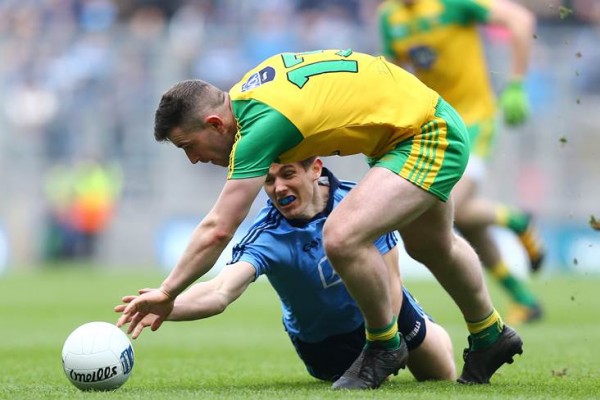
{"points": [[261, 77], [327, 274], [422, 57], [313, 244]]}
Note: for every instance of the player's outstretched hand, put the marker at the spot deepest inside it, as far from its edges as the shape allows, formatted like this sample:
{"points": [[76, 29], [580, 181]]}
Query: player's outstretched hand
{"points": [[514, 103], [151, 308]]}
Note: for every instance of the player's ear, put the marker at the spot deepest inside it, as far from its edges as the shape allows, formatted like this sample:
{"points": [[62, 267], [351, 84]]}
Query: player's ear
{"points": [[215, 121], [317, 168]]}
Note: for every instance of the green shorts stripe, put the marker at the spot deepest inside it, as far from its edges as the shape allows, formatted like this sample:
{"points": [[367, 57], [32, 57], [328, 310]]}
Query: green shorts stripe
{"points": [[433, 139], [416, 171], [434, 159]]}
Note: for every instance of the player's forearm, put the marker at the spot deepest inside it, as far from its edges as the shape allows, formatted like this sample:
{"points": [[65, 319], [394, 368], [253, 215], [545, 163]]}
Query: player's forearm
{"points": [[198, 304], [206, 245], [212, 235], [522, 43], [521, 24]]}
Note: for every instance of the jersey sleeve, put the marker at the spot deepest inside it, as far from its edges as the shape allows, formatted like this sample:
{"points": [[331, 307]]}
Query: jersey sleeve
{"points": [[387, 242], [471, 11], [260, 246], [256, 254], [264, 134], [385, 36]]}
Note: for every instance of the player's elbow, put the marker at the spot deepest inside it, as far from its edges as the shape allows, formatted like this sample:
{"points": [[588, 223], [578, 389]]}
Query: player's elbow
{"points": [[219, 232], [523, 19], [222, 236], [220, 304], [528, 20]]}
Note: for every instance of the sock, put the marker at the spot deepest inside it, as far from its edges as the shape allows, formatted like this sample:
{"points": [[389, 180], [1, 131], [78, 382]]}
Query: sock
{"points": [[486, 332], [531, 242], [519, 293], [519, 222], [387, 336], [514, 219]]}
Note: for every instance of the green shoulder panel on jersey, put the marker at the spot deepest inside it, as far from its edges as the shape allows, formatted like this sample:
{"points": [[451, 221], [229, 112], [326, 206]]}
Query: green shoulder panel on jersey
{"points": [[384, 30], [425, 16], [264, 134], [466, 12]]}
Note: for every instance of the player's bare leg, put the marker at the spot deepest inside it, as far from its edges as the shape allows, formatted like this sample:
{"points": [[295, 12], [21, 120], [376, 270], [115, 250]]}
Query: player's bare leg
{"points": [[434, 358], [383, 202], [431, 240], [348, 239], [474, 217]]}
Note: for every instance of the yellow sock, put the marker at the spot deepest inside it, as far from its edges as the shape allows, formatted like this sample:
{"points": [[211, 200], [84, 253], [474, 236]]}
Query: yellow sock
{"points": [[500, 270]]}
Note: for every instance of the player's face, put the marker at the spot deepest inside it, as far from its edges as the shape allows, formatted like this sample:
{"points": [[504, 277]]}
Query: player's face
{"points": [[204, 145], [294, 190]]}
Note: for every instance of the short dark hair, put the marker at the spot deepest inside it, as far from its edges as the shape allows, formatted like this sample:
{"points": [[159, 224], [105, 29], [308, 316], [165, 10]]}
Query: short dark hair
{"points": [[306, 163], [184, 106]]}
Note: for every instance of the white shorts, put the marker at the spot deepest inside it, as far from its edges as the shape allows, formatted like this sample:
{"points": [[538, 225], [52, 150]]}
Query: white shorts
{"points": [[476, 168]]}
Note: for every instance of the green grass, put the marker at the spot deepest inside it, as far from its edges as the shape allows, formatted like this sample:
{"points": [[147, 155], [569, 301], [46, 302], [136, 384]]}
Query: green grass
{"points": [[244, 353]]}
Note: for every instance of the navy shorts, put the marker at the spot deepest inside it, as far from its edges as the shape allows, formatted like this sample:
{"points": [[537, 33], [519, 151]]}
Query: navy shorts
{"points": [[330, 358]]}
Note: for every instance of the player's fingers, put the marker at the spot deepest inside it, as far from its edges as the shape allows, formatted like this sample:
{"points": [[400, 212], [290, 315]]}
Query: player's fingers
{"points": [[131, 308], [145, 290], [138, 329], [156, 324], [123, 319], [135, 320], [119, 308], [128, 298]]}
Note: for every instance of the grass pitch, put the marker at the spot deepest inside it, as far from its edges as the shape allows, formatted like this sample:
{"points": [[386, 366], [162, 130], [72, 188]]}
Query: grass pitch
{"points": [[244, 353]]}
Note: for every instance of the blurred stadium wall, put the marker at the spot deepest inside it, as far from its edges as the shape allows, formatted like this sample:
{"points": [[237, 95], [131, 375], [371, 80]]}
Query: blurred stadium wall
{"points": [[81, 79]]}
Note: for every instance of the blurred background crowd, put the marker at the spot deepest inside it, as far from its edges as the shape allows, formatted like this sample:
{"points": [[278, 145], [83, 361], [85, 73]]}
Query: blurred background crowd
{"points": [[82, 178]]}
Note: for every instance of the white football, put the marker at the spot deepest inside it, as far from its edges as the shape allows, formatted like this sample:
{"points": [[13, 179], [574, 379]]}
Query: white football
{"points": [[97, 356]]}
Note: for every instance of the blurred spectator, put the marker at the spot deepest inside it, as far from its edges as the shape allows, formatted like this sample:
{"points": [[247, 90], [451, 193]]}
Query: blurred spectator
{"points": [[331, 25], [269, 32], [82, 200], [85, 74]]}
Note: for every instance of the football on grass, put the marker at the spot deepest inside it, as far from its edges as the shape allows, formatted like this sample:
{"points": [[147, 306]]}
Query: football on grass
{"points": [[97, 356]]}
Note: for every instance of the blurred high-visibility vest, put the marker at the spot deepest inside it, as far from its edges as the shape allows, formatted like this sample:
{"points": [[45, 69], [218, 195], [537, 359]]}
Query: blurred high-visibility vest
{"points": [[95, 192]]}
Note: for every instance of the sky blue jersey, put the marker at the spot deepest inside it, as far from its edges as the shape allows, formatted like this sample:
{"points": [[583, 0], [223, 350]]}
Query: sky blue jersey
{"points": [[315, 302]]}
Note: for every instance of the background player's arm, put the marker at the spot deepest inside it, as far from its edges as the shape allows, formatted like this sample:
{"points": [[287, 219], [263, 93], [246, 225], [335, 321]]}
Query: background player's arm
{"points": [[386, 40], [521, 24], [214, 233], [204, 299]]}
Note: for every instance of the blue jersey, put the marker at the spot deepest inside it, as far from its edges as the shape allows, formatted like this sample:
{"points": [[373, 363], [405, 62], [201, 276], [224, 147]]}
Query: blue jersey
{"points": [[315, 302]]}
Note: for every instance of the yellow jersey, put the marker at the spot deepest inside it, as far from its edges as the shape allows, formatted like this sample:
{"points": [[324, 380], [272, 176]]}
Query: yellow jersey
{"points": [[440, 40], [329, 102]]}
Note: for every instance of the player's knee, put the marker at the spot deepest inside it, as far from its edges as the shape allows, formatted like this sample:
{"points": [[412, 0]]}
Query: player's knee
{"points": [[334, 247], [434, 358], [336, 240]]}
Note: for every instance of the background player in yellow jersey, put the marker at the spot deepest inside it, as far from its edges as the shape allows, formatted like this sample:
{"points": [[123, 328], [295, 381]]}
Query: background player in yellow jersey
{"points": [[296, 105], [439, 40]]}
